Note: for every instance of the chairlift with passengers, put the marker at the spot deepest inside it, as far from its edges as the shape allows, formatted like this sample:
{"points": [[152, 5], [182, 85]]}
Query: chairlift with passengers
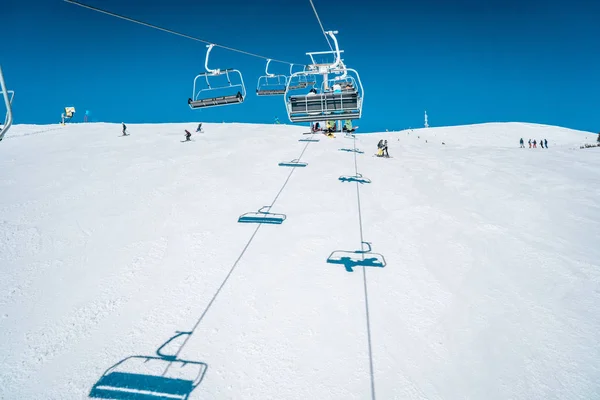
{"points": [[205, 97], [342, 105]]}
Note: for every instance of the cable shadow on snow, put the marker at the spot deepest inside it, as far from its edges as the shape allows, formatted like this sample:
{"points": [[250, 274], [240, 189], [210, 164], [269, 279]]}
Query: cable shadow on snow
{"points": [[166, 376], [264, 215], [357, 258], [160, 377]]}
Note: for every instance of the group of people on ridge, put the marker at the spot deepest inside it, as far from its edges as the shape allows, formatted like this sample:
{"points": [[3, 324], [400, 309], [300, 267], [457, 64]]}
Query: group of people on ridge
{"points": [[543, 143]]}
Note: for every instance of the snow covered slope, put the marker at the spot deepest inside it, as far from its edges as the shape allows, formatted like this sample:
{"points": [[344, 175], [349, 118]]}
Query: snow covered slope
{"points": [[111, 245]]}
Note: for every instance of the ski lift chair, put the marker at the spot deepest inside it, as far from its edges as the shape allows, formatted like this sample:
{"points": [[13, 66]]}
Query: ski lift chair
{"points": [[303, 80], [270, 84], [345, 105], [202, 98]]}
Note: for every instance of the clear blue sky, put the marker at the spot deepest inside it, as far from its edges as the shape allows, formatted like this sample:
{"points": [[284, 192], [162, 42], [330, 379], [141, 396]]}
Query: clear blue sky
{"points": [[463, 61]]}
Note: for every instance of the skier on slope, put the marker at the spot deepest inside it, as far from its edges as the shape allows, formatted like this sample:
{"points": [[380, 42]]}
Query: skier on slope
{"points": [[188, 136], [380, 148], [521, 142], [124, 128]]}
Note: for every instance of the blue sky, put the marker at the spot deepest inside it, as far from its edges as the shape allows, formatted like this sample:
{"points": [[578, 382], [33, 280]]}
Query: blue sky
{"points": [[463, 61]]}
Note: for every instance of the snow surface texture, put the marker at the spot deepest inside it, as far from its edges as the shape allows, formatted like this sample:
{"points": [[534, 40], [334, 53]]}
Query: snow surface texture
{"points": [[111, 245]]}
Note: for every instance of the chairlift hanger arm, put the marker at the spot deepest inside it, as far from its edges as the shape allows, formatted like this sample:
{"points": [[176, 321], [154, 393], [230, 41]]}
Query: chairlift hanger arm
{"points": [[211, 71], [7, 101], [267, 69], [337, 48]]}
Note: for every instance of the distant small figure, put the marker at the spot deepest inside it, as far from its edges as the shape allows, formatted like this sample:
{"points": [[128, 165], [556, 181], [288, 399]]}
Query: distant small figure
{"points": [[521, 143], [316, 127], [188, 136], [199, 128], [534, 144], [385, 149], [546, 143], [529, 143], [124, 129], [542, 143]]}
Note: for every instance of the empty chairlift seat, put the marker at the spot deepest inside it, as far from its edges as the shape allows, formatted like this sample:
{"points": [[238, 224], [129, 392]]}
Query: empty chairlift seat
{"points": [[270, 84], [216, 101], [269, 92], [213, 94]]}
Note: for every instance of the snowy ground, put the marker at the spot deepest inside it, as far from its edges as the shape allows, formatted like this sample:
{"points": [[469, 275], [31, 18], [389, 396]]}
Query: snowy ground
{"points": [[109, 245]]}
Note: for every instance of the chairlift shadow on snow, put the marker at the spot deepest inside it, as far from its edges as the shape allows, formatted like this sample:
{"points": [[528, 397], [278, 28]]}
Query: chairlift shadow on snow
{"points": [[309, 140], [357, 258], [354, 178], [294, 163], [161, 377], [353, 151], [262, 216]]}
